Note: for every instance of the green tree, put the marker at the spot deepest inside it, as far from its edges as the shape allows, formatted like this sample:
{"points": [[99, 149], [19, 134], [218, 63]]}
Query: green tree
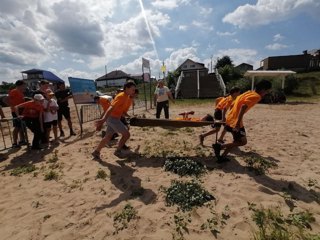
{"points": [[221, 62]]}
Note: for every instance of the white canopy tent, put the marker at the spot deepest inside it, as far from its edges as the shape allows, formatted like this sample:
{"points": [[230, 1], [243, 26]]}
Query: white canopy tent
{"points": [[265, 73]]}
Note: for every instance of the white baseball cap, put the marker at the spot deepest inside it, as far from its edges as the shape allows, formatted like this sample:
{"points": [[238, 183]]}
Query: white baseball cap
{"points": [[38, 97]]}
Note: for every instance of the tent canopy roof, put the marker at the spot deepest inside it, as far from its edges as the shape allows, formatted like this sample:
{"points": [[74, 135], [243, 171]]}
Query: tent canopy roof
{"points": [[46, 75], [262, 73]]}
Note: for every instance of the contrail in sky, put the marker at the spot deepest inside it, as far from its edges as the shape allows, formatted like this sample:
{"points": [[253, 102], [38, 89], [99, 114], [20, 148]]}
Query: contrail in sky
{"points": [[148, 28]]}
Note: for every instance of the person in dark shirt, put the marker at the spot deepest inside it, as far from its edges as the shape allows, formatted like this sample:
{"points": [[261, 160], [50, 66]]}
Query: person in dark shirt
{"points": [[63, 95]]}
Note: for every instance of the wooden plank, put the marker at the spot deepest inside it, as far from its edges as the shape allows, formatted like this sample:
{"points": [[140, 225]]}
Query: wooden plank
{"points": [[148, 122]]}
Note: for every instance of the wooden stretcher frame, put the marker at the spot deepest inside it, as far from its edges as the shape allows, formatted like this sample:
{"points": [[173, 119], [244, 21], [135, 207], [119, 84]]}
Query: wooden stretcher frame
{"points": [[148, 122]]}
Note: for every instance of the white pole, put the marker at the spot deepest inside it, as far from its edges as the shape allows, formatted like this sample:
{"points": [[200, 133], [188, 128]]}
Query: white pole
{"points": [[252, 83], [198, 83], [283, 80]]}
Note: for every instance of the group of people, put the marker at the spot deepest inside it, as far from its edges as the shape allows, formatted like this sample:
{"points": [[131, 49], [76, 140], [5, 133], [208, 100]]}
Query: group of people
{"points": [[229, 111], [41, 114]]}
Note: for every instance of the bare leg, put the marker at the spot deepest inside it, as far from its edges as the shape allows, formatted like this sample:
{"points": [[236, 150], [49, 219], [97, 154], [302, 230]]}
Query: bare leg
{"points": [[222, 135], [204, 135], [15, 135], [55, 132], [229, 146], [60, 126], [103, 142], [48, 130], [70, 126], [123, 140]]}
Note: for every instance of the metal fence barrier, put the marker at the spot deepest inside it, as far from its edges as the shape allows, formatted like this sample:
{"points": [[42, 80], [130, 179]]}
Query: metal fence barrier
{"points": [[6, 131], [88, 113]]}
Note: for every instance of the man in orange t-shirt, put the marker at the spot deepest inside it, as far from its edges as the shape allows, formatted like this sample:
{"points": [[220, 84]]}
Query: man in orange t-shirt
{"points": [[113, 115], [222, 106], [32, 115], [234, 119], [16, 97]]}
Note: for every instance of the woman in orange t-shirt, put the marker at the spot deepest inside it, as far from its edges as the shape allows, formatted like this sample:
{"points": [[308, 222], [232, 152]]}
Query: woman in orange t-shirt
{"points": [[113, 115], [32, 115]]}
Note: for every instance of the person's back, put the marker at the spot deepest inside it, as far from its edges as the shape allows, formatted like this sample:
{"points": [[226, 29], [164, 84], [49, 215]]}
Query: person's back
{"points": [[249, 98]]}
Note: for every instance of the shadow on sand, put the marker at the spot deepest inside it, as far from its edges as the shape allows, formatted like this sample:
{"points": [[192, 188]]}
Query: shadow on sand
{"points": [[123, 179], [268, 184]]}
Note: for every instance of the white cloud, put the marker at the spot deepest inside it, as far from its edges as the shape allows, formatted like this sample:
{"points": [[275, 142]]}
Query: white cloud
{"points": [[169, 49], [267, 11], [236, 41], [205, 11], [276, 46], [277, 37], [202, 25], [169, 4], [183, 27], [226, 33]]}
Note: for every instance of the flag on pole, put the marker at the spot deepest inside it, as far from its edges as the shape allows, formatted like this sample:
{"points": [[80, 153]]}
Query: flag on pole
{"points": [[163, 68], [145, 63]]}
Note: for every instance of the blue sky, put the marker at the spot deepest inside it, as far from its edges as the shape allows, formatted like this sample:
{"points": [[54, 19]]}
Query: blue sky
{"points": [[81, 38]]}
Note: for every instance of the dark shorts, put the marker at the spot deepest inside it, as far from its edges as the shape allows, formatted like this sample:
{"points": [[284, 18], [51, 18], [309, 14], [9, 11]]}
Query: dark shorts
{"points": [[236, 135], [63, 112], [16, 121], [47, 125], [218, 117], [208, 118]]}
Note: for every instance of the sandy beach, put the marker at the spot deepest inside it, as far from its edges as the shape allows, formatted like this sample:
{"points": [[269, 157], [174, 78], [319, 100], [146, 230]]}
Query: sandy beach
{"points": [[76, 204]]}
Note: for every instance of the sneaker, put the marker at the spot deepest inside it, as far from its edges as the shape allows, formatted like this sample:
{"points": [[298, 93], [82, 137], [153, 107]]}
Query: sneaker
{"points": [[96, 155], [217, 149], [222, 159], [62, 134], [125, 147], [120, 153], [21, 143], [201, 138], [36, 148], [15, 145], [114, 136], [103, 133]]}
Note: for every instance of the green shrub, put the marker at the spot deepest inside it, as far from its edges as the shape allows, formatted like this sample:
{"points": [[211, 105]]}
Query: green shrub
{"points": [[121, 219], [187, 195], [184, 167], [23, 170]]}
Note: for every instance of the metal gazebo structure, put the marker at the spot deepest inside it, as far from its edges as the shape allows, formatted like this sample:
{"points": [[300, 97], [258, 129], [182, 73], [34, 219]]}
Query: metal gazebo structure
{"points": [[266, 73]]}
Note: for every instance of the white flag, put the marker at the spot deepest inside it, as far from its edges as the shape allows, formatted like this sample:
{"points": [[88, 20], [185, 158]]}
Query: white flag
{"points": [[145, 63]]}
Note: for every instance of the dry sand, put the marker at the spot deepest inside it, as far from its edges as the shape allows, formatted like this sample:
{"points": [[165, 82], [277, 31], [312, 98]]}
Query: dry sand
{"points": [[80, 206]]}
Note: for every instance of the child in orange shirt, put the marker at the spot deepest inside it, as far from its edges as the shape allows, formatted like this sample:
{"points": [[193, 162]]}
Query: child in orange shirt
{"points": [[113, 117], [222, 107], [16, 97], [32, 115], [234, 119]]}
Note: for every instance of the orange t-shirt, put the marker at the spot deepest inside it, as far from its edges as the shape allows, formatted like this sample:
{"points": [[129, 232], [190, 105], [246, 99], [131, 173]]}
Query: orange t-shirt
{"points": [[218, 100], [225, 103], [249, 98], [120, 105], [104, 103], [16, 97], [32, 109]]}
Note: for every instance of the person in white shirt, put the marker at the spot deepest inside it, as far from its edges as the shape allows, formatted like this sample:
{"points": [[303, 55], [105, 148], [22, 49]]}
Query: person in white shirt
{"points": [[162, 95], [50, 115]]}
